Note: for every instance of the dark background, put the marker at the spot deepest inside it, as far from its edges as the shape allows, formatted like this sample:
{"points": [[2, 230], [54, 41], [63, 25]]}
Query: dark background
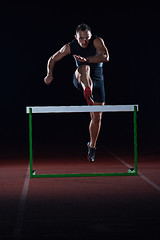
{"points": [[31, 34]]}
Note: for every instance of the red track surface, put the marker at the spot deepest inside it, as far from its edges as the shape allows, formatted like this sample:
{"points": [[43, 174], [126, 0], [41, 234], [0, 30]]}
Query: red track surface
{"points": [[78, 208]]}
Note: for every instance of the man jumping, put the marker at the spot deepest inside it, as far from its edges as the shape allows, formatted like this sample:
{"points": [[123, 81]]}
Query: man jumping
{"points": [[89, 52]]}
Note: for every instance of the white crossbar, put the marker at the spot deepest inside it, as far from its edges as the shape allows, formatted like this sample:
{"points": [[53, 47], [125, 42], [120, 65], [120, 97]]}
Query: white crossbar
{"points": [[76, 109]]}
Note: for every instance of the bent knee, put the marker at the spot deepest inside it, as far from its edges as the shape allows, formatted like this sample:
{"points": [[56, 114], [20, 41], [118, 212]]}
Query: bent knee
{"points": [[84, 69]]}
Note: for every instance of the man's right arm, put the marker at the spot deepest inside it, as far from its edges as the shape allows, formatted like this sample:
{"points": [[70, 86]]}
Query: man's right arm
{"points": [[64, 51]]}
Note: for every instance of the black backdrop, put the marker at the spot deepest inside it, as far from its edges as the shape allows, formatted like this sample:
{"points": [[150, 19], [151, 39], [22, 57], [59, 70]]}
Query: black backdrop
{"points": [[31, 34]]}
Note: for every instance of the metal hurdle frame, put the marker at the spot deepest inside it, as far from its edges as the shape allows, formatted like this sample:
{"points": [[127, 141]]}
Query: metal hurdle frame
{"points": [[76, 109]]}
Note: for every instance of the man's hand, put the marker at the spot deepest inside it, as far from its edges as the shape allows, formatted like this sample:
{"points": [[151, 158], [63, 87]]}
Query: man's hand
{"points": [[48, 79], [79, 58]]}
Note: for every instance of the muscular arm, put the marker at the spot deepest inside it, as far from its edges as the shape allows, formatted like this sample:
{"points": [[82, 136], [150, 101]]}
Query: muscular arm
{"points": [[64, 51], [102, 56]]}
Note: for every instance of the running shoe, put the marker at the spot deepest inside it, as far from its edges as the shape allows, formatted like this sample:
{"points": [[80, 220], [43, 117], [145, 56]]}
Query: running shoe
{"points": [[88, 95], [91, 153]]}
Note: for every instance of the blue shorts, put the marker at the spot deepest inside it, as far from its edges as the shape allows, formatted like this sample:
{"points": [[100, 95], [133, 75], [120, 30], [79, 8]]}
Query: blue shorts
{"points": [[98, 91]]}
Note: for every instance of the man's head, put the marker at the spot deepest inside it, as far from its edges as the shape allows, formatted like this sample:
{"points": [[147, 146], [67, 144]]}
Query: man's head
{"points": [[83, 35]]}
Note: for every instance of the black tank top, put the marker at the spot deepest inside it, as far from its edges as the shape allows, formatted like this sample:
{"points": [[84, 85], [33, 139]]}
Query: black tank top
{"points": [[90, 50]]}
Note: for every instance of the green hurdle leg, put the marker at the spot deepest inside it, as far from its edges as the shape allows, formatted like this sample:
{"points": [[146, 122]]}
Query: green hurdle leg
{"points": [[135, 141], [30, 143]]}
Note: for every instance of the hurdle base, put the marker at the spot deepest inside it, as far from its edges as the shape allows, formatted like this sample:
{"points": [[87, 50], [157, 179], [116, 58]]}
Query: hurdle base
{"points": [[132, 173], [131, 170]]}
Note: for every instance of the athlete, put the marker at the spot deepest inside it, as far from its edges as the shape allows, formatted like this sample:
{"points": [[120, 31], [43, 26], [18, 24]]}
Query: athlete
{"points": [[89, 52]]}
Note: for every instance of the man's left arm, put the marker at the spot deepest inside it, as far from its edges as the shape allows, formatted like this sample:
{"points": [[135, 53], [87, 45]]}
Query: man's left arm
{"points": [[103, 55]]}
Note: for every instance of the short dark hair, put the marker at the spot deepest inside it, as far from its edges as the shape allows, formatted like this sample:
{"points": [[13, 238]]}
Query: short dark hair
{"points": [[83, 27]]}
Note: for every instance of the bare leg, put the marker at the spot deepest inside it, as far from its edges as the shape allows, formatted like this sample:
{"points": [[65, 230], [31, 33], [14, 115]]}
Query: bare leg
{"points": [[83, 75], [94, 127]]}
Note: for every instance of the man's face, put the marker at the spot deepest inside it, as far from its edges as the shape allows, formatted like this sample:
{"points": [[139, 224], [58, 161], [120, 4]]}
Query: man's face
{"points": [[83, 38]]}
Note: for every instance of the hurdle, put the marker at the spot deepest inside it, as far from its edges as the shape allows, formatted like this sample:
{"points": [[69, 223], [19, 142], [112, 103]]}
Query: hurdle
{"points": [[83, 109]]}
